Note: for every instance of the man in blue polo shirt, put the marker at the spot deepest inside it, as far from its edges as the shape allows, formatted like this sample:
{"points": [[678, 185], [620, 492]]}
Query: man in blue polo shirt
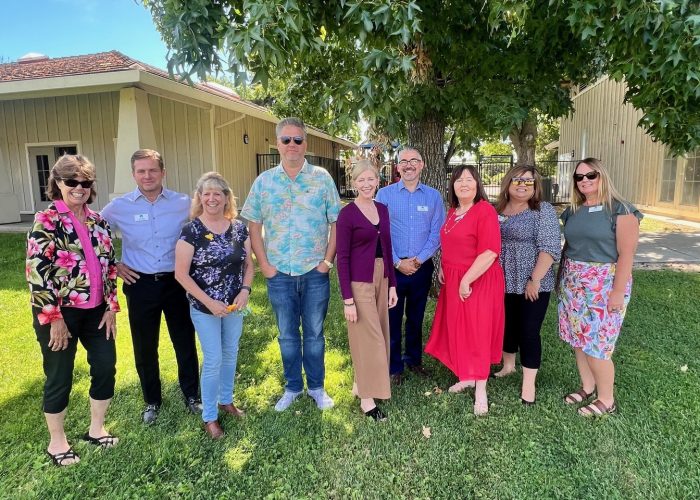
{"points": [[416, 212], [150, 219]]}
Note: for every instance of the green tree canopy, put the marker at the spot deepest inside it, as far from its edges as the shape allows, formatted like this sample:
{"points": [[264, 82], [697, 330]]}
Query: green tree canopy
{"points": [[435, 71]]}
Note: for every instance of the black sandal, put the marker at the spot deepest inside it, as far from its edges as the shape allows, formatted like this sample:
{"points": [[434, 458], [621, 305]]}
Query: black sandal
{"points": [[59, 458], [107, 441], [377, 414]]}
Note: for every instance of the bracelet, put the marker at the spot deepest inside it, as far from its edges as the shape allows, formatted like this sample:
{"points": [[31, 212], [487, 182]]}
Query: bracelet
{"points": [[348, 305], [246, 287]]}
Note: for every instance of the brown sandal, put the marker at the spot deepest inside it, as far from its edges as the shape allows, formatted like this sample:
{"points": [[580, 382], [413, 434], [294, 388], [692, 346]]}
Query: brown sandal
{"points": [[596, 409], [577, 397]]}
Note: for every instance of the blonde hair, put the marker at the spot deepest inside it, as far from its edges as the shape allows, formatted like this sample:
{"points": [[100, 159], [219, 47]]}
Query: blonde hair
{"points": [[70, 167], [362, 166], [607, 194], [517, 171], [217, 181]]}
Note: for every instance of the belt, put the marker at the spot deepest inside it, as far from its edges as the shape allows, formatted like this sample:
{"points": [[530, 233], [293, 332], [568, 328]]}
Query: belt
{"points": [[158, 276]]}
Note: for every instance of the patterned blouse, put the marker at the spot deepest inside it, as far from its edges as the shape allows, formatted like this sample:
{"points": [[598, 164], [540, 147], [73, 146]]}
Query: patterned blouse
{"points": [[524, 235], [56, 266], [217, 263]]}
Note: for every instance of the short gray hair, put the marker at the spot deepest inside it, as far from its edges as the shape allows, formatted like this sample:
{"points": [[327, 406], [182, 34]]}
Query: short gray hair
{"points": [[292, 121], [412, 148]]}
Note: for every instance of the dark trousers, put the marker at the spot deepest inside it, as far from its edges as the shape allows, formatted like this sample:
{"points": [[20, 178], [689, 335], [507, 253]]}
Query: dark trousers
{"points": [[523, 323], [412, 292], [149, 297], [58, 365]]}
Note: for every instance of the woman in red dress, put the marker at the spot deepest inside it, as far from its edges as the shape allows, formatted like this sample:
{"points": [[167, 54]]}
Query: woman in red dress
{"points": [[467, 332]]}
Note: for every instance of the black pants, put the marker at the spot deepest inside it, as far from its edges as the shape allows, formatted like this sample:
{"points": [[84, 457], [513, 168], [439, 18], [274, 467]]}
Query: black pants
{"points": [[523, 323], [58, 365], [412, 292], [149, 297]]}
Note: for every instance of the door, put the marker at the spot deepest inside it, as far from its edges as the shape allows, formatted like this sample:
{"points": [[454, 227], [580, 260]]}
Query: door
{"points": [[41, 160]]}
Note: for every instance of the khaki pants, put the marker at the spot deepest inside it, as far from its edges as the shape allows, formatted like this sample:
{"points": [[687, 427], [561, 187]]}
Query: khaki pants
{"points": [[369, 335]]}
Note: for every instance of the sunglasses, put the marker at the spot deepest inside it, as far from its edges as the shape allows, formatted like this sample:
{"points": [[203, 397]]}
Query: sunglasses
{"points": [[75, 183], [589, 175], [298, 140], [523, 181]]}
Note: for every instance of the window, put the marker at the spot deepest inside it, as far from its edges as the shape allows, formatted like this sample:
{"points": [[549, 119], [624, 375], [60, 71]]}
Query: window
{"points": [[668, 180], [691, 180]]}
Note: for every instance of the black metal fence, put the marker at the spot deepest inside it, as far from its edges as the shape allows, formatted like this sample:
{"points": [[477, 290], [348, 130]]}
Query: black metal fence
{"points": [[556, 176], [268, 161]]}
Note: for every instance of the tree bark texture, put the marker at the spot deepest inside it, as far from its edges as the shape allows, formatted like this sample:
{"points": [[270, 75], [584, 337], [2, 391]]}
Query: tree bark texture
{"points": [[428, 135], [523, 139]]}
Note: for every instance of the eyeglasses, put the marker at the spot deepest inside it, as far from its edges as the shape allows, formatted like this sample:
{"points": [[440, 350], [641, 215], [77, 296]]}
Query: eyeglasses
{"points": [[413, 162], [298, 140], [588, 175], [75, 183], [523, 181]]}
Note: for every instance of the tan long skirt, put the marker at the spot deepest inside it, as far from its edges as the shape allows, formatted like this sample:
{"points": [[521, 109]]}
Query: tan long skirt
{"points": [[369, 335]]}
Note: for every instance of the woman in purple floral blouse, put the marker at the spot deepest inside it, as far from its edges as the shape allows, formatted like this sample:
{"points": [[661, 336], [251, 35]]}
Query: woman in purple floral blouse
{"points": [[72, 277]]}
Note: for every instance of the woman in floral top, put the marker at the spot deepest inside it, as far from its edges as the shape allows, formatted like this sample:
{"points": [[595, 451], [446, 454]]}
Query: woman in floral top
{"points": [[214, 265], [72, 276], [531, 242]]}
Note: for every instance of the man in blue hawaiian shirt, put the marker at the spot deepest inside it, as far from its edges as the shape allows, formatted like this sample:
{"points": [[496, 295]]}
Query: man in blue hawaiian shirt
{"points": [[297, 204]]}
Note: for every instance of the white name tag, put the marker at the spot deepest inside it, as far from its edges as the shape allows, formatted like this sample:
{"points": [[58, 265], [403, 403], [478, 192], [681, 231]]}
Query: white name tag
{"points": [[140, 217], [595, 209], [422, 208]]}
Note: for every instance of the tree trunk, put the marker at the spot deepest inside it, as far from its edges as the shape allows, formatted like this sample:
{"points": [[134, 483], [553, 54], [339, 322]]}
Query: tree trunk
{"points": [[428, 135], [523, 139]]}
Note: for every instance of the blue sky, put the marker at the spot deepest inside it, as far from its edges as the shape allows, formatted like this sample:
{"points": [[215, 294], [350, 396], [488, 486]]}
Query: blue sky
{"points": [[60, 28]]}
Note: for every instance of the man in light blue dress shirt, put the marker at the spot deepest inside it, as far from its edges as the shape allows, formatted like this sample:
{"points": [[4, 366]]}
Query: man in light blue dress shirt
{"points": [[417, 213], [150, 219]]}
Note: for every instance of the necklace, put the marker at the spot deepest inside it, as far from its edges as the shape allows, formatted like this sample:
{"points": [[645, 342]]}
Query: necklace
{"points": [[456, 219]]}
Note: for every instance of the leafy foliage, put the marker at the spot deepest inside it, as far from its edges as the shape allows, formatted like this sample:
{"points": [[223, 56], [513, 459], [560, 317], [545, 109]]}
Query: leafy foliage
{"points": [[459, 70]]}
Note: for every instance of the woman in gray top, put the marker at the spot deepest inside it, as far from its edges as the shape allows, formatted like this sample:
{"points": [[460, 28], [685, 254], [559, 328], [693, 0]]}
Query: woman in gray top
{"points": [[601, 232], [531, 242]]}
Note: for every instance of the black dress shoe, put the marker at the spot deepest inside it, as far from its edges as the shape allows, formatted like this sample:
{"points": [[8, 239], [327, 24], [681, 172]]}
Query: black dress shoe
{"points": [[377, 414], [194, 405], [419, 370], [150, 414], [397, 378], [525, 402]]}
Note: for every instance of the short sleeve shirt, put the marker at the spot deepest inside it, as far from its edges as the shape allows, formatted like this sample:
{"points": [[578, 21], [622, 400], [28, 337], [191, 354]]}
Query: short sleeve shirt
{"points": [[590, 231], [217, 263], [295, 215]]}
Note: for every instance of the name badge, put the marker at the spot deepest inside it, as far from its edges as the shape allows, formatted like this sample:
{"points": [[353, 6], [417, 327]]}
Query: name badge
{"points": [[595, 209], [422, 208], [140, 217]]}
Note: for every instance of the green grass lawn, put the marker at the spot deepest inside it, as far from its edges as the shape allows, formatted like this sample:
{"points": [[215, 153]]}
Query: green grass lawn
{"points": [[651, 448]]}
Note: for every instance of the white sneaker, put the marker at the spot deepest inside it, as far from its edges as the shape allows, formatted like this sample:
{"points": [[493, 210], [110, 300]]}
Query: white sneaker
{"points": [[286, 400], [323, 400]]}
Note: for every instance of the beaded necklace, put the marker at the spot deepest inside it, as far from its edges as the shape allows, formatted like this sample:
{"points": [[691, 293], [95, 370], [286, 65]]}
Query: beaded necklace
{"points": [[456, 219]]}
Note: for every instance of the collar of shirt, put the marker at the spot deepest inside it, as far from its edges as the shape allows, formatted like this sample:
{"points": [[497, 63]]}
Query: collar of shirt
{"points": [[62, 208], [401, 185], [305, 169], [136, 194]]}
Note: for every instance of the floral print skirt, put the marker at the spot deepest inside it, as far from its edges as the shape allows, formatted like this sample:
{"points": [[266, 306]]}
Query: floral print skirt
{"points": [[584, 320]]}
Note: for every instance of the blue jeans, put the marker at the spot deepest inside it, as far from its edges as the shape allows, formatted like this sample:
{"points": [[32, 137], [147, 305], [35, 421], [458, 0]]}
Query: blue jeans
{"points": [[219, 340], [301, 301]]}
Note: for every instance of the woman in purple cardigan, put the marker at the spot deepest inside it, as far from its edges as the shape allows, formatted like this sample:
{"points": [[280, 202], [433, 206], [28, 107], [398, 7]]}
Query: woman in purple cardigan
{"points": [[368, 287]]}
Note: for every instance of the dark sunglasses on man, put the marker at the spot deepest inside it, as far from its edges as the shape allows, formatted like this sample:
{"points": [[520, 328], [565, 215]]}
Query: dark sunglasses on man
{"points": [[298, 140], [75, 183], [588, 175]]}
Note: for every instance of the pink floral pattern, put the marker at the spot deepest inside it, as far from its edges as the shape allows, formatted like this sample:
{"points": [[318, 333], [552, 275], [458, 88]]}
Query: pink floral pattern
{"points": [[56, 270], [584, 320]]}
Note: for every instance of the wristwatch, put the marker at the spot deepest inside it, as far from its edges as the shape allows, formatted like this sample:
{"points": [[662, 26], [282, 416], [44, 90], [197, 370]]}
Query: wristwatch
{"points": [[328, 263]]}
